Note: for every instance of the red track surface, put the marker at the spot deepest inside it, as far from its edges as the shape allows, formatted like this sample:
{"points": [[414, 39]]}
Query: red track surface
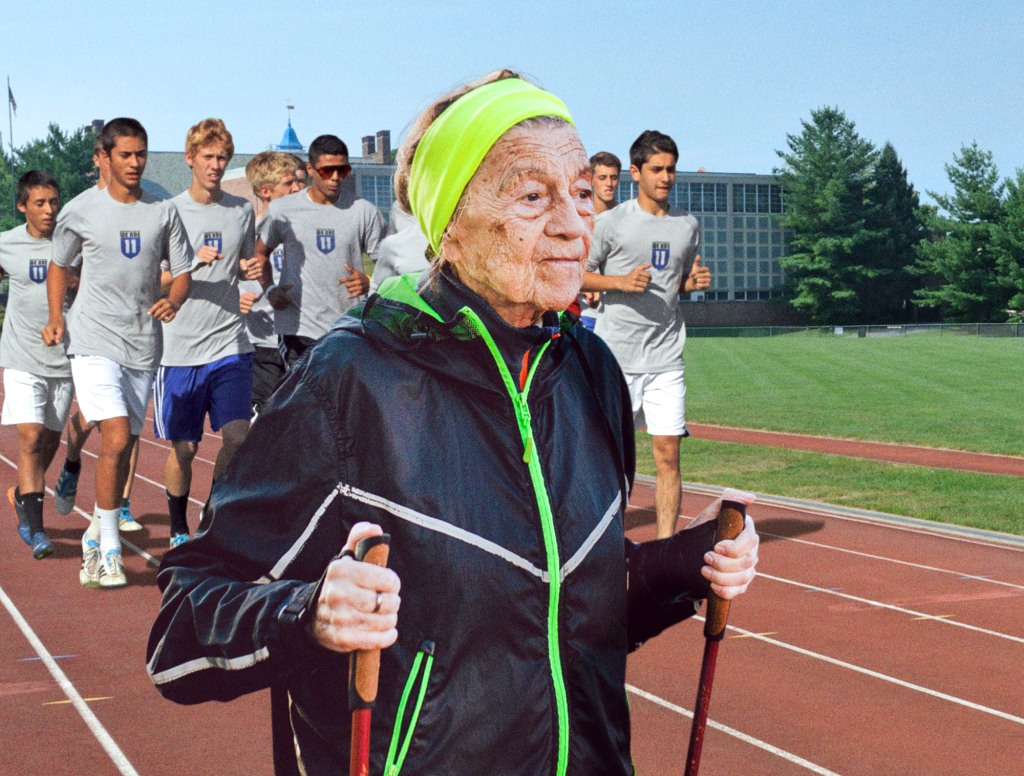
{"points": [[866, 647]]}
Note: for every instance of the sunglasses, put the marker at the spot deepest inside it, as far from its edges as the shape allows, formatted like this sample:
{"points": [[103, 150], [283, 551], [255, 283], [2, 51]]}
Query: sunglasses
{"points": [[330, 170]]}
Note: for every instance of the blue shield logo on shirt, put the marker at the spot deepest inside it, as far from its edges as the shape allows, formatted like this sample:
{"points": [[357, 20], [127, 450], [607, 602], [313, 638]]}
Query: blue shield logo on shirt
{"points": [[325, 240], [214, 240], [277, 257], [131, 244], [659, 255], [37, 272]]}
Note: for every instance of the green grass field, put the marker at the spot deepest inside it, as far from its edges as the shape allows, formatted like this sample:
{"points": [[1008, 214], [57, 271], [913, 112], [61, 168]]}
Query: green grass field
{"points": [[953, 391]]}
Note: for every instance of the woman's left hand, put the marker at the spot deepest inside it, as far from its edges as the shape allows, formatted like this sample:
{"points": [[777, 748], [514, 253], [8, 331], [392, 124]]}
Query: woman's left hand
{"points": [[730, 564]]}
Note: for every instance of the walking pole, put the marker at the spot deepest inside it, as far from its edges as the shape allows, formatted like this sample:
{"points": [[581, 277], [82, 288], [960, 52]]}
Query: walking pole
{"points": [[730, 524], [364, 667]]}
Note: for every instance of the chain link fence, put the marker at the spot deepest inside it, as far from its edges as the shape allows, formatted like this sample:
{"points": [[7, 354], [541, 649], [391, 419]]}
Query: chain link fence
{"points": [[1014, 330]]}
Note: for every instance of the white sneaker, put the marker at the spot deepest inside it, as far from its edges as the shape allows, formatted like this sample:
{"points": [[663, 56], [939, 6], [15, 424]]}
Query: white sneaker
{"points": [[112, 570], [89, 576]]}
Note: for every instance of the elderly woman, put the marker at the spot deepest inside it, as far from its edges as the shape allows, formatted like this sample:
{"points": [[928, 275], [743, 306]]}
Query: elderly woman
{"points": [[447, 414]]}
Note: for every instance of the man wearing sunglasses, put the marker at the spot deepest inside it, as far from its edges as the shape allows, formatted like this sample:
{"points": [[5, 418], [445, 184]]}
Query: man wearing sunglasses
{"points": [[325, 233]]}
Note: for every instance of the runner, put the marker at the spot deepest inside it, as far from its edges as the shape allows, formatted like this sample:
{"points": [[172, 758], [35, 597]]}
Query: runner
{"points": [[37, 379], [605, 169], [123, 235], [643, 256], [325, 233], [65, 492], [206, 366], [272, 175]]}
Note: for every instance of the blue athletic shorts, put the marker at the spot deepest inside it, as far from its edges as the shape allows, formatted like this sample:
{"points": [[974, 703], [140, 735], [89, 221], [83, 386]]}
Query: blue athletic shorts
{"points": [[185, 394]]}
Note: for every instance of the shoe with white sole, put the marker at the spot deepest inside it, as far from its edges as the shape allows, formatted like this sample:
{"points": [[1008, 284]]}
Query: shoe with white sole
{"points": [[65, 492], [127, 523], [112, 570], [89, 576]]}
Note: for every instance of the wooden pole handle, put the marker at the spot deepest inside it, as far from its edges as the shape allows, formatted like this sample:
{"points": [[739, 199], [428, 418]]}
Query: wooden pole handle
{"points": [[730, 524], [364, 665]]}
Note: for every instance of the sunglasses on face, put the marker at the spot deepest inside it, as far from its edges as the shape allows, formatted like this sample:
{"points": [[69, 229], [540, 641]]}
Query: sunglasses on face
{"points": [[330, 170]]}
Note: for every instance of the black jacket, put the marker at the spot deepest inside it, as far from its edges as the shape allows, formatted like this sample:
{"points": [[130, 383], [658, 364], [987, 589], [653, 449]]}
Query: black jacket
{"points": [[502, 481]]}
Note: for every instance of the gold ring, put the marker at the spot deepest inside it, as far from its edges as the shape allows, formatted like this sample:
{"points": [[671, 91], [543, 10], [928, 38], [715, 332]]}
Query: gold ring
{"points": [[380, 597]]}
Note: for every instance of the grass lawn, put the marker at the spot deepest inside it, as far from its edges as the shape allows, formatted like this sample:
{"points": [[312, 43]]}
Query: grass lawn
{"points": [[958, 392], [987, 501]]}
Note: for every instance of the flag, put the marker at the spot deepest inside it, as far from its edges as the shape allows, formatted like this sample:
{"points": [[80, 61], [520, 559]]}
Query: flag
{"points": [[10, 96]]}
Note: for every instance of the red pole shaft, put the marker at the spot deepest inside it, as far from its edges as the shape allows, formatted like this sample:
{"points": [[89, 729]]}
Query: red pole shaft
{"points": [[700, 713], [359, 762]]}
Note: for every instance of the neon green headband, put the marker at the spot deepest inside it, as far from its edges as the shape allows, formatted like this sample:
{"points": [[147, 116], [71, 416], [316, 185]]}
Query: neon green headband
{"points": [[457, 142]]}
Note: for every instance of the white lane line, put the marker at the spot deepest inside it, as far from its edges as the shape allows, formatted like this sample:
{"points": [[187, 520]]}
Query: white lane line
{"points": [[900, 609], [790, 757], [960, 575], [138, 476], [876, 675], [94, 725]]}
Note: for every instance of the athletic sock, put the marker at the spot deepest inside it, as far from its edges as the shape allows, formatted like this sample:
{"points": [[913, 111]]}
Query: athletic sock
{"points": [[110, 535], [32, 503], [178, 507], [92, 533], [72, 467]]}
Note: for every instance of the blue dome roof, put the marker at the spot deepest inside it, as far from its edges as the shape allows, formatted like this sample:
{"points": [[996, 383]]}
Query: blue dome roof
{"points": [[290, 141]]}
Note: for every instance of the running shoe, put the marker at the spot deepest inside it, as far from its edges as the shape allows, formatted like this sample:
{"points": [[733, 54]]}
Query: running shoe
{"points": [[178, 539], [89, 576], [112, 570], [41, 545], [65, 491], [23, 530], [127, 522]]}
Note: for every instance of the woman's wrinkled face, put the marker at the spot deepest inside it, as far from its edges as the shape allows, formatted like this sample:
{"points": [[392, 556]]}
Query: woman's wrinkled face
{"points": [[521, 237]]}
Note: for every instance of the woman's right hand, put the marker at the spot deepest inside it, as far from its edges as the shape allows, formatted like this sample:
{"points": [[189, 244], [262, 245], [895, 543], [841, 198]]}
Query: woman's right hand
{"points": [[346, 617]]}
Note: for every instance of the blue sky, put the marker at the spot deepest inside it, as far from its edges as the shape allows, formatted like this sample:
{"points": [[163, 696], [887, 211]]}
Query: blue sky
{"points": [[728, 80]]}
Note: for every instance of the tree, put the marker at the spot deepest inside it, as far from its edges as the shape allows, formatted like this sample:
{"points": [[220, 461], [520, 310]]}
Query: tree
{"points": [[900, 224], [66, 156], [1009, 244], [961, 260], [826, 182]]}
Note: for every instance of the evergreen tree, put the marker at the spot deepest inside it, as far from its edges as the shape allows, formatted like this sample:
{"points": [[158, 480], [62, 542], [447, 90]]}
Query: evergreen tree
{"points": [[826, 180], [961, 261], [1010, 244], [66, 156], [900, 227]]}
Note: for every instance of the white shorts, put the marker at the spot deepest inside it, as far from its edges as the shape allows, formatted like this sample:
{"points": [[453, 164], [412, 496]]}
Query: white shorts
{"points": [[29, 398], [659, 400], [109, 390]]}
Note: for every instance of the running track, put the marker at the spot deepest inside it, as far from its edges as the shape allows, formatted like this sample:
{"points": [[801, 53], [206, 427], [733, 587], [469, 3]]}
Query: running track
{"points": [[868, 645]]}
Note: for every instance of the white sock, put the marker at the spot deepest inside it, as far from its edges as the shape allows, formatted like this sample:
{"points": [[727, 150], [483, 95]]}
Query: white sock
{"points": [[110, 535], [92, 533]]}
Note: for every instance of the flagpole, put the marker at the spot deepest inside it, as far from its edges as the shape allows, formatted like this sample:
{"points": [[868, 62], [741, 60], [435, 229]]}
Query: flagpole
{"points": [[10, 121]]}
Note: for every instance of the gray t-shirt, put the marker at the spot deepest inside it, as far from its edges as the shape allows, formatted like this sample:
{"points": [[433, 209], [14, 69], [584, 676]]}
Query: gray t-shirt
{"points": [[259, 322], [319, 240], [209, 326], [24, 259], [122, 247], [400, 254], [644, 330]]}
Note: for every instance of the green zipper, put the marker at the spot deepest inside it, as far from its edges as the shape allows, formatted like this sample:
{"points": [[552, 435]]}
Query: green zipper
{"points": [[532, 460], [393, 765]]}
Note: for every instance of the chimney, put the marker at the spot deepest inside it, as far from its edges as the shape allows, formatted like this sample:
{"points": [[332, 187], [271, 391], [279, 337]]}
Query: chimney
{"points": [[368, 146], [383, 155]]}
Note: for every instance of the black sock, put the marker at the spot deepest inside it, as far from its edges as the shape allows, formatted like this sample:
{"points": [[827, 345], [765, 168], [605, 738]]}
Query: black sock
{"points": [[32, 503], [73, 467], [178, 506]]}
